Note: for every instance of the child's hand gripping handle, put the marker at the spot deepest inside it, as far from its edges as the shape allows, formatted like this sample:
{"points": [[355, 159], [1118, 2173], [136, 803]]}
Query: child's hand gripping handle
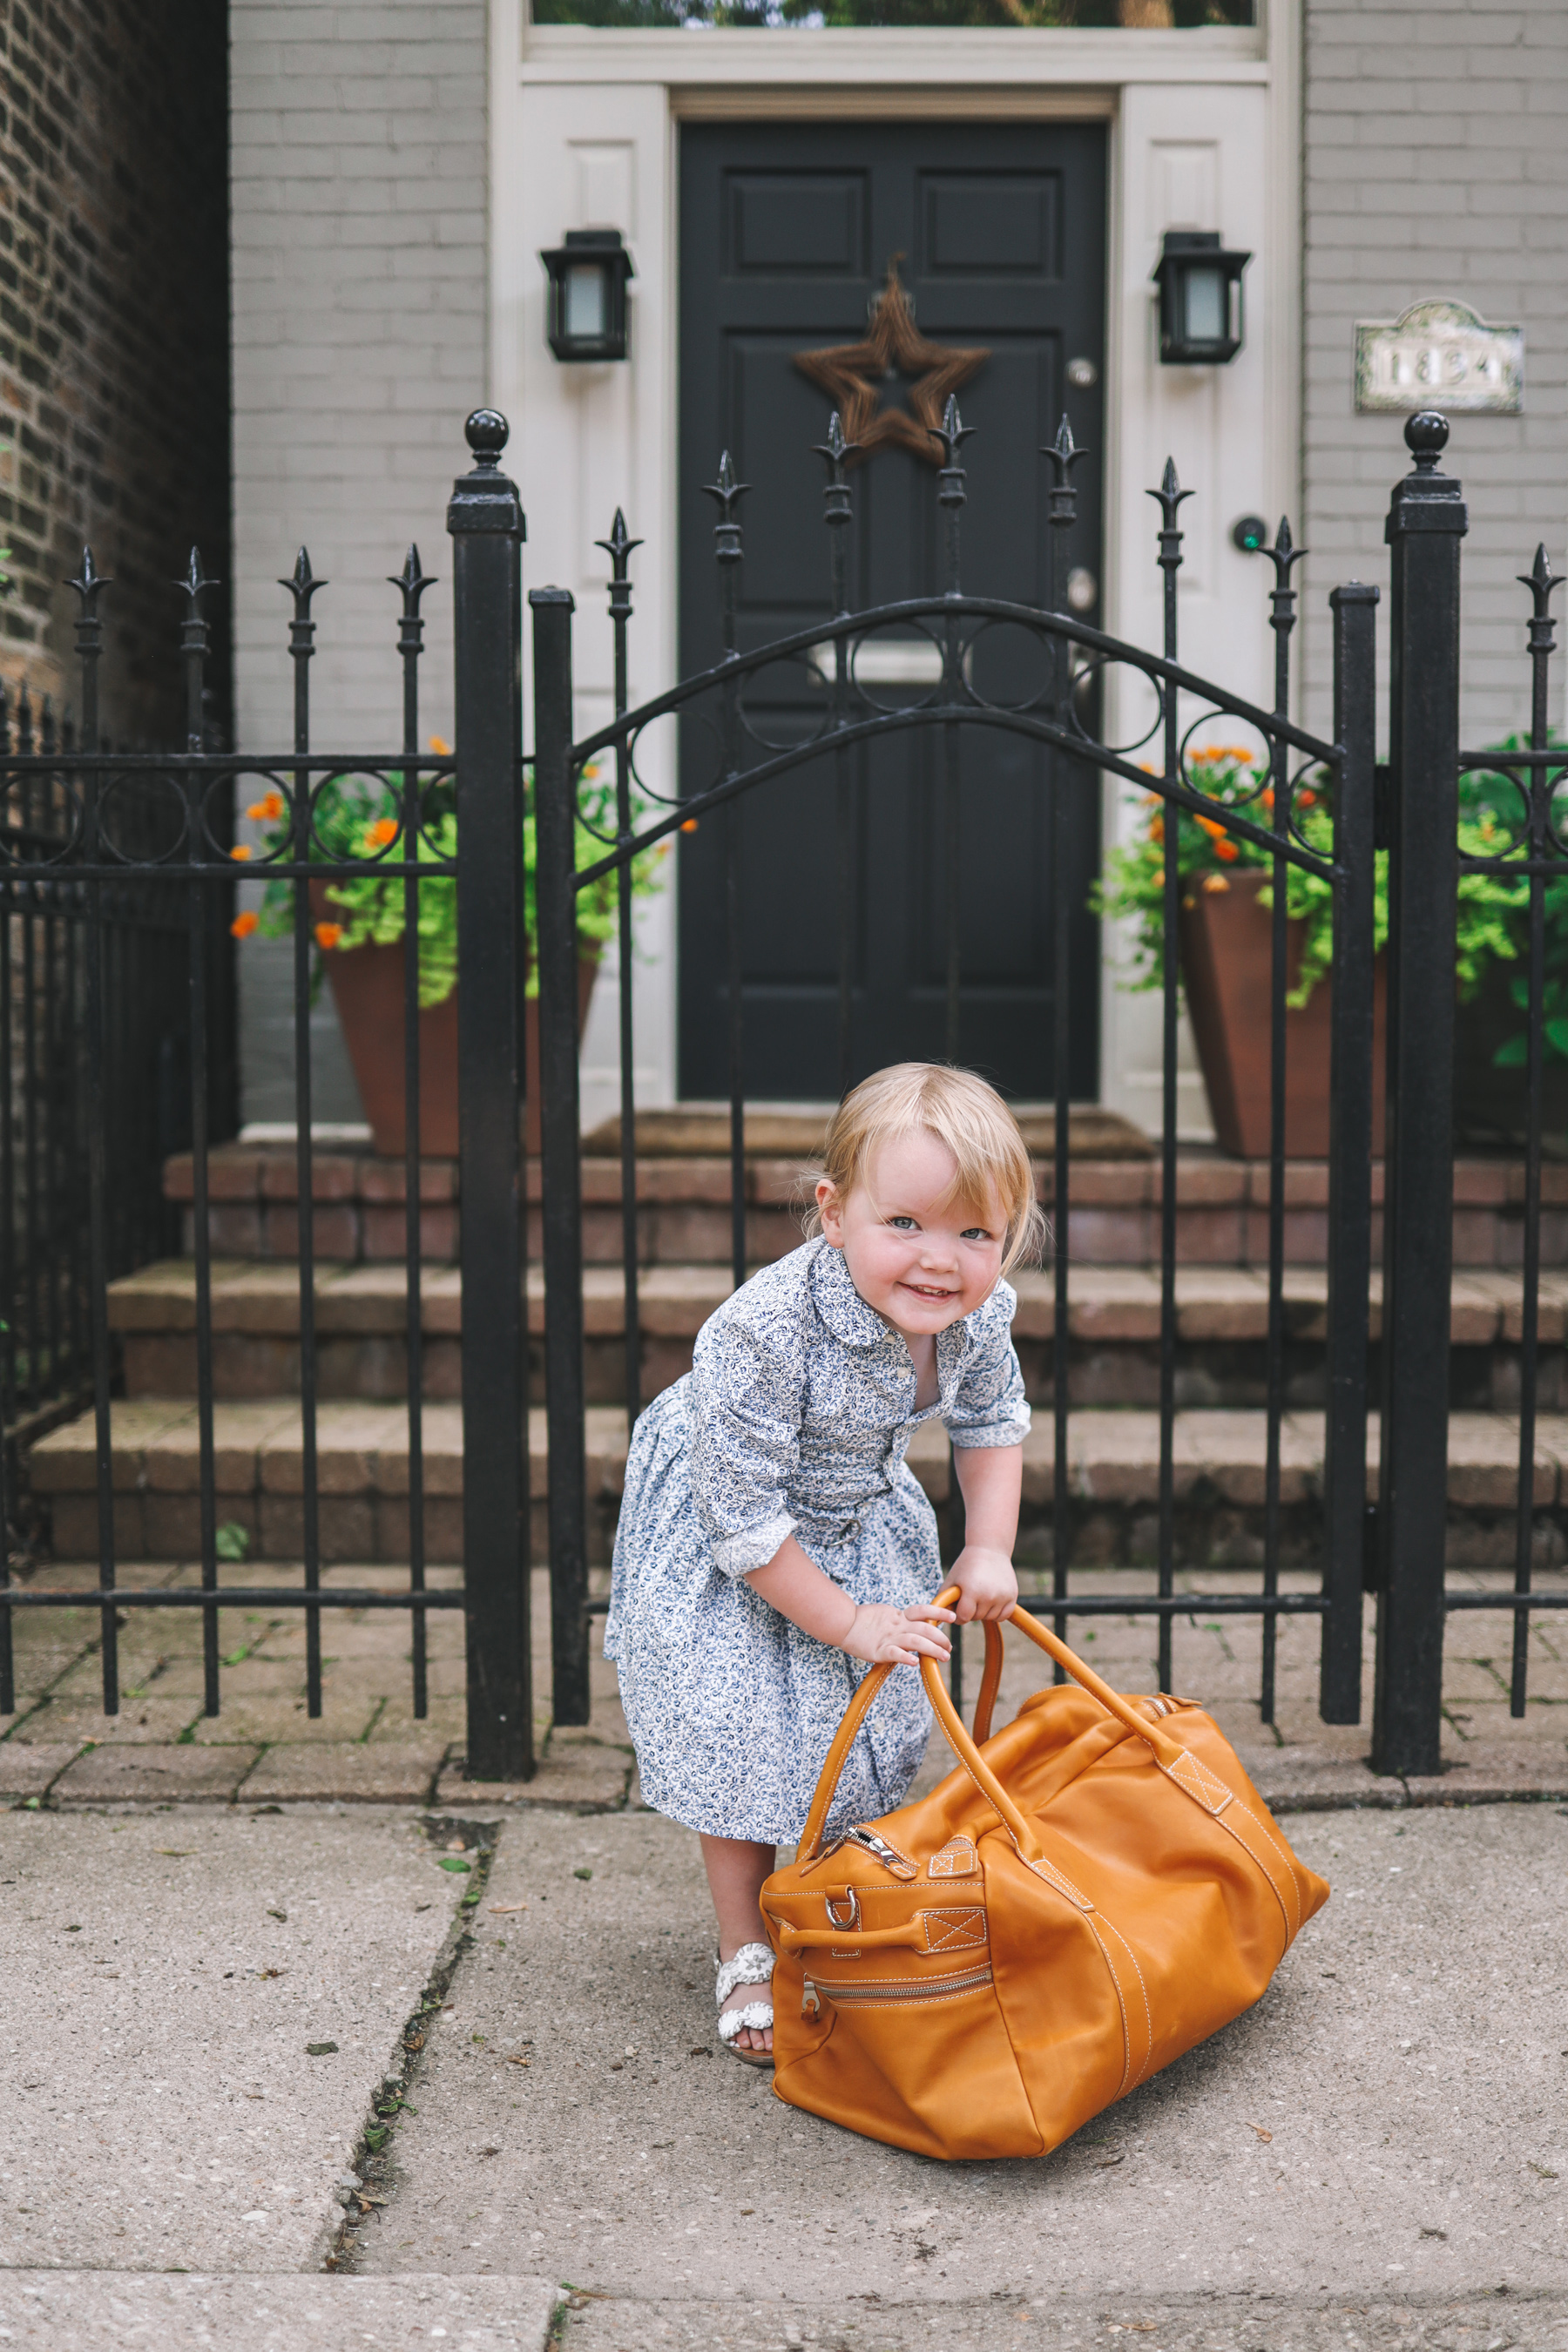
{"points": [[966, 1749]]}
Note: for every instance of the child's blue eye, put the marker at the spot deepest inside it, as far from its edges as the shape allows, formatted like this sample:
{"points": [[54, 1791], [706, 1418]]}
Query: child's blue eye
{"points": [[976, 1233], [903, 1224]]}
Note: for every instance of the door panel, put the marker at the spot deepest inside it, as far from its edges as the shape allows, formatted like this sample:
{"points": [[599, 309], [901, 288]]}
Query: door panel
{"points": [[786, 233]]}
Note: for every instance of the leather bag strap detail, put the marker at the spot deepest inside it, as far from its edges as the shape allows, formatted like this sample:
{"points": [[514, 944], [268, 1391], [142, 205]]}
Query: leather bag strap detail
{"points": [[833, 1763], [1167, 1749], [990, 1684]]}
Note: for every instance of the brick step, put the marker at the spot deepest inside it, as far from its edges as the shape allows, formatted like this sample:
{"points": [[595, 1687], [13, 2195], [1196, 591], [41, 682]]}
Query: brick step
{"points": [[1114, 1320], [683, 1213], [362, 1482]]}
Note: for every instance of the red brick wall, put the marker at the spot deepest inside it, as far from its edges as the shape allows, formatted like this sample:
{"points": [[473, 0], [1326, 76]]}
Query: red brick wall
{"points": [[113, 340]]}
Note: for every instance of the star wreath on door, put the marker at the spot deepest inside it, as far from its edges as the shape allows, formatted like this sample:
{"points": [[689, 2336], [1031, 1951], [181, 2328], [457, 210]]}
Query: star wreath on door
{"points": [[852, 374]]}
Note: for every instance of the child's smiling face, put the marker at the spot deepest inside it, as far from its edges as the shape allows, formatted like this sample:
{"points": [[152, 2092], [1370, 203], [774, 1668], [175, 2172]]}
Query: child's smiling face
{"points": [[921, 1256]]}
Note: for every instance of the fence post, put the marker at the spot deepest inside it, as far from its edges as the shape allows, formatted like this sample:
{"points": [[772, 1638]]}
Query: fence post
{"points": [[555, 817], [1354, 609], [1426, 519], [487, 527]]}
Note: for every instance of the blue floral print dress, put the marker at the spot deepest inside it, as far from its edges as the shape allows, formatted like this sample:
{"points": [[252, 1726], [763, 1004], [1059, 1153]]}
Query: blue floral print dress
{"points": [[795, 1418]]}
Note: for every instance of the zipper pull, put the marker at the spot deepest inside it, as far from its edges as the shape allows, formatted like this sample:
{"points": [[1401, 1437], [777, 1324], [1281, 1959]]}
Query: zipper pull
{"points": [[810, 1999]]}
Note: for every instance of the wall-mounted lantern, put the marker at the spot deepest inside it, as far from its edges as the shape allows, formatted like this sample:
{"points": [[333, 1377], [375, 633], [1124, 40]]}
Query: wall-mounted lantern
{"points": [[1200, 299], [588, 277]]}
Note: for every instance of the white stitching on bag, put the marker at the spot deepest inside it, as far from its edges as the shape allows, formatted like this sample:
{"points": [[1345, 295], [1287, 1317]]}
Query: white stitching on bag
{"points": [[953, 1931], [1200, 1782], [1148, 2013], [1122, 2005], [1290, 1931], [1054, 1877]]}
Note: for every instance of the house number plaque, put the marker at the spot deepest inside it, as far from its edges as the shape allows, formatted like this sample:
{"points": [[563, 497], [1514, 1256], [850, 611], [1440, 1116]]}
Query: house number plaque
{"points": [[1439, 354]]}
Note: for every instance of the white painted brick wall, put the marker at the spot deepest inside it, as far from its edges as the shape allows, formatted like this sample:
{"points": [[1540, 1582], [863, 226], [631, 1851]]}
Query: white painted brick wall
{"points": [[1436, 164], [360, 135]]}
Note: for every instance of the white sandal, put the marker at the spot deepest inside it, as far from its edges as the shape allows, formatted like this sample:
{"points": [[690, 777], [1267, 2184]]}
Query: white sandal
{"points": [[753, 1964]]}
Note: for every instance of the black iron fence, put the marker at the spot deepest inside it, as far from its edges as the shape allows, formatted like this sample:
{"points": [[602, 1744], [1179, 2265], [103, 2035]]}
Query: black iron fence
{"points": [[103, 851], [117, 880]]}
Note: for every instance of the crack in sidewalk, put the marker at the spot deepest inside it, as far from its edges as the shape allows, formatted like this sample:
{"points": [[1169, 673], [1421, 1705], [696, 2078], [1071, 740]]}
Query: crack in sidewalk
{"points": [[473, 1842]]}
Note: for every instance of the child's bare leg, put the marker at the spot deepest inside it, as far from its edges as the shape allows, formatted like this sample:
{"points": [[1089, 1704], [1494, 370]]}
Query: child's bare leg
{"points": [[737, 1868]]}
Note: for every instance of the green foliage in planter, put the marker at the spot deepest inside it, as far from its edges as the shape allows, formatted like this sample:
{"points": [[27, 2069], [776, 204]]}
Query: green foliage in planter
{"points": [[1493, 813], [362, 817], [1494, 908]]}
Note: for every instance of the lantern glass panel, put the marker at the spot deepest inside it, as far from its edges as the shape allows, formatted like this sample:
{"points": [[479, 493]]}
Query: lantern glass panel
{"points": [[1207, 307], [585, 305]]}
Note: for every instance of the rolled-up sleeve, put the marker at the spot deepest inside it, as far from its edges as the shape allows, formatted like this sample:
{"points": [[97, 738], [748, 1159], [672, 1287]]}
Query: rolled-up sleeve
{"points": [[748, 1377], [989, 1406]]}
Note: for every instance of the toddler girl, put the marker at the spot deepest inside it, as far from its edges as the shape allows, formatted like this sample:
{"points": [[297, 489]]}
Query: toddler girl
{"points": [[773, 1543]]}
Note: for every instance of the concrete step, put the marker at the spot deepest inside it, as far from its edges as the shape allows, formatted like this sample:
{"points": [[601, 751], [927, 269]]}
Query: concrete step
{"points": [[363, 1459], [683, 1208], [361, 1313]]}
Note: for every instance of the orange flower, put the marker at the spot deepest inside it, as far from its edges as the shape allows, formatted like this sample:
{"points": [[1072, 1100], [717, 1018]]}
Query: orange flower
{"points": [[1213, 828], [1215, 882], [241, 851], [267, 809], [243, 925], [1227, 850], [689, 825], [1209, 754], [1307, 800], [382, 832], [1266, 798], [441, 747], [328, 934], [1157, 828]]}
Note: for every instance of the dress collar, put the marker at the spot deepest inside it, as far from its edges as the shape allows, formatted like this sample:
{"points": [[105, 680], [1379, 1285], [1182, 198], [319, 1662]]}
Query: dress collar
{"points": [[849, 1318], [840, 1305]]}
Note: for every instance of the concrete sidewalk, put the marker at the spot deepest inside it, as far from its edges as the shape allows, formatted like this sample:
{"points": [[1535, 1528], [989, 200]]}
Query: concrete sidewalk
{"points": [[1376, 2155]]}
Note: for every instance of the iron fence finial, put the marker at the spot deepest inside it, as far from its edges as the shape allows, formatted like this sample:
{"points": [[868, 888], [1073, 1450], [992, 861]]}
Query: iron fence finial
{"points": [[1426, 437], [412, 581], [1284, 555], [1541, 580], [953, 433], [1062, 455], [301, 584], [836, 450], [1170, 495], [726, 492], [195, 581], [487, 434], [88, 584], [837, 503], [618, 548]]}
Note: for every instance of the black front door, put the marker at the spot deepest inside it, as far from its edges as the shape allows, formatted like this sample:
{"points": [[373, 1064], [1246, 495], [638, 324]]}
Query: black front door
{"points": [[787, 232]]}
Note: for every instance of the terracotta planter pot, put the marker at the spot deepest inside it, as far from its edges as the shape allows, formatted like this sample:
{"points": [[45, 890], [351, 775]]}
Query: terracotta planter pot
{"points": [[367, 986], [1226, 949], [1491, 1106]]}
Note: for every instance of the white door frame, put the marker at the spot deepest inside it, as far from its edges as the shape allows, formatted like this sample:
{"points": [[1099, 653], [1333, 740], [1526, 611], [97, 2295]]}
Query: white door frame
{"points": [[1204, 133]]}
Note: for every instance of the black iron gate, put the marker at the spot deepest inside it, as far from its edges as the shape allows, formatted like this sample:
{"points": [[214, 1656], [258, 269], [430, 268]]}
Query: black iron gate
{"points": [[116, 880], [1047, 711]]}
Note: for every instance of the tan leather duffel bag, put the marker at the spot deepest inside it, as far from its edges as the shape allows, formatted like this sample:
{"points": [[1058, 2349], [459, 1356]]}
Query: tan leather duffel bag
{"points": [[1097, 1887]]}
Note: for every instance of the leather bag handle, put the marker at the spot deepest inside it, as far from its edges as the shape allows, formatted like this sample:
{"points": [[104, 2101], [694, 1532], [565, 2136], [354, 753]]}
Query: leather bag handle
{"points": [[990, 1682], [909, 1934], [1020, 1829]]}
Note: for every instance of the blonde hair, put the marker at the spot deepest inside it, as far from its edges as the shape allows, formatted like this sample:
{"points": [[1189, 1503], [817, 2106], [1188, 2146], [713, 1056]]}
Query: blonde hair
{"points": [[991, 1159]]}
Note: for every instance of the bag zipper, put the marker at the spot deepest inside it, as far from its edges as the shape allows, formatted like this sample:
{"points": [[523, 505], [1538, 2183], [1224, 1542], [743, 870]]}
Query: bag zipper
{"points": [[881, 1996]]}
